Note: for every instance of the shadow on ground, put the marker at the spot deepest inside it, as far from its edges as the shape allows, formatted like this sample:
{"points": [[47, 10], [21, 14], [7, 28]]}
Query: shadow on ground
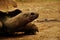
{"points": [[3, 36]]}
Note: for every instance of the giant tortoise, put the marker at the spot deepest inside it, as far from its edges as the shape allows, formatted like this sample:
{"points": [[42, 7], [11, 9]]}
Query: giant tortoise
{"points": [[17, 21]]}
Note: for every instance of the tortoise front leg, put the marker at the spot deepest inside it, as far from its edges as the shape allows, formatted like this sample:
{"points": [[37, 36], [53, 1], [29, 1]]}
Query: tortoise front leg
{"points": [[29, 29]]}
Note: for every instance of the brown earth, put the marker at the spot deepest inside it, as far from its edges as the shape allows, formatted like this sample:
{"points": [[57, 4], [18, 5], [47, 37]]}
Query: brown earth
{"points": [[48, 30]]}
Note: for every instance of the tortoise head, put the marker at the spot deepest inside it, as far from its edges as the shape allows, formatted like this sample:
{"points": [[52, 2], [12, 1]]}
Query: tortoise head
{"points": [[28, 17]]}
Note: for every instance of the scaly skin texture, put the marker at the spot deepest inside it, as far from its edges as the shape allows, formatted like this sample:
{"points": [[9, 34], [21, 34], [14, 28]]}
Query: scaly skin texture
{"points": [[0, 25]]}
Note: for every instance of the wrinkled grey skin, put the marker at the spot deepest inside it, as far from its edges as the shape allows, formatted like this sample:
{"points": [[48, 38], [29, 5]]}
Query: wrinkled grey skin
{"points": [[20, 23]]}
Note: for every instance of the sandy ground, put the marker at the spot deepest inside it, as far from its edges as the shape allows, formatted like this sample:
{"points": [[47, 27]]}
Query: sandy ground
{"points": [[48, 30]]}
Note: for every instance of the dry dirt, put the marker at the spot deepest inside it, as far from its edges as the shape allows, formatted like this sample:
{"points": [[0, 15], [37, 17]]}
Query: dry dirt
{"points": [[48, 30]]}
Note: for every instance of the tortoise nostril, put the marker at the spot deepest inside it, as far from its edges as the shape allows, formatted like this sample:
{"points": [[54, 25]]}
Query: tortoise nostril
{"points": [[32, 13]]}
